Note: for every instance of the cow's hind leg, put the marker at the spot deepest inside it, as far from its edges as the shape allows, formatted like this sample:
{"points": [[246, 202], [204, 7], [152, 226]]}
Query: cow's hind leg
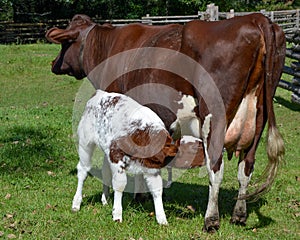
{"points": [[239, 215], [212, 218], [83, 167]]}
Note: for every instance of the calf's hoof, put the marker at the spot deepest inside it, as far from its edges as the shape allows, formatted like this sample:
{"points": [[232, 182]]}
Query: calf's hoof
{"points": [[117, 215], [162, 220], [75, 209], [211, 225]]}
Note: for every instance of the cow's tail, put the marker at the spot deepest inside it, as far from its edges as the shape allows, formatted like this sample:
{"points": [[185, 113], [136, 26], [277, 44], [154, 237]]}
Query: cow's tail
{"points": [[274, 61]]}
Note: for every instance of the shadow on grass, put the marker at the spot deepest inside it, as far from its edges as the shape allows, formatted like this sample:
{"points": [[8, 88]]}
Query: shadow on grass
{"points": [[264, 221], [27, 148], [187, 201], [288, 104]]}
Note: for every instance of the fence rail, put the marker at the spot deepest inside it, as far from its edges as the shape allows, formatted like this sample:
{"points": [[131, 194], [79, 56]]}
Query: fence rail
{"points": [[293, 52], [11, 32]]}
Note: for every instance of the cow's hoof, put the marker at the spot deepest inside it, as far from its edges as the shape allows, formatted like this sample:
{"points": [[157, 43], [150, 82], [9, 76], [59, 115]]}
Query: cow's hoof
{"points": [[211, 225], [238, 220]]}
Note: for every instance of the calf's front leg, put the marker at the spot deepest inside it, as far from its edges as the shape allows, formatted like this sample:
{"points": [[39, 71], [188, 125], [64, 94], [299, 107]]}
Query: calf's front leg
{"points": [[155, 185]]}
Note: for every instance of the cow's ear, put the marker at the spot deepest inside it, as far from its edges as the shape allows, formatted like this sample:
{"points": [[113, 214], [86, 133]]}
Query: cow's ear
{"points": [[56, 35]]}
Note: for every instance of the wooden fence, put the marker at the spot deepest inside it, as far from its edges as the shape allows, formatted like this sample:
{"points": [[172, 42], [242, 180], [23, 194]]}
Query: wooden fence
{"points": [[11, 32], [293, 52]]}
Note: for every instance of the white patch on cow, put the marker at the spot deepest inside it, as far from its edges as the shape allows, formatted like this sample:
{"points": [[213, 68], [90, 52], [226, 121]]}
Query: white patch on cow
{"points": [[241, 130], [187, 123], [206, 128], [187, 139], [215, 179], [240, 208], [243, 179]]}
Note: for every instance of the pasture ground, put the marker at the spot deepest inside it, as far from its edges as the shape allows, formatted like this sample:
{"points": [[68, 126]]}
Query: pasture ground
{"points": [[38, 175]]}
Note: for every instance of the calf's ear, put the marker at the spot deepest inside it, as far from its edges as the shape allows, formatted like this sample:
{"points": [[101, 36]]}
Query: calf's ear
{"points": [[56, 35], [170, 150]]}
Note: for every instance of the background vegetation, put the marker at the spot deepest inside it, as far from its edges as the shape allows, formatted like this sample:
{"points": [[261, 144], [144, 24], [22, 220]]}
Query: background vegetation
{"points": [[38, 170], [34, 11]]}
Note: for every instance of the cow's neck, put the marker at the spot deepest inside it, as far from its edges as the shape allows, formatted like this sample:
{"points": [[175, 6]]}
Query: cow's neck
{"points": [[84, 34]]}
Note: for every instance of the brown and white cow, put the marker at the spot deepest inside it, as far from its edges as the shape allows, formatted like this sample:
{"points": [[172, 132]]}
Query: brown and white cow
{"points": [[243, 56]]}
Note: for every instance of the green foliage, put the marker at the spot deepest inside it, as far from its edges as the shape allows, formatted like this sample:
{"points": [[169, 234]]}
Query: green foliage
{"points": [[6, 10], [274, 5], [34, 11]]}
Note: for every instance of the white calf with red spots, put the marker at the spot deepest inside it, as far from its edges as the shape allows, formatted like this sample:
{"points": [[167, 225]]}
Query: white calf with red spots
{"points": [[134, 140]]}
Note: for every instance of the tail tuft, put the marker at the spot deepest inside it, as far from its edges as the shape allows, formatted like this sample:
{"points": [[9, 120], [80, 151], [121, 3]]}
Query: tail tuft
{"points": [[275, 151]]}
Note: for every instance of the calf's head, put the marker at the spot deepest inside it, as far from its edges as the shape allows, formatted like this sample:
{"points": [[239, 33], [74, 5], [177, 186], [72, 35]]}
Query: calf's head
{"points": [[69, 60], [190, 153], [151, 152]]}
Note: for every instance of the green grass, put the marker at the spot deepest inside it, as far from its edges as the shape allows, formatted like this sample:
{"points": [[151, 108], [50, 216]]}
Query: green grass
{"points": [[38, 169]]}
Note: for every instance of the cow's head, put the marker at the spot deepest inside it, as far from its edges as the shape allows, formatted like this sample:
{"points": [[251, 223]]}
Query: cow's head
{"points": [[69, 60]]}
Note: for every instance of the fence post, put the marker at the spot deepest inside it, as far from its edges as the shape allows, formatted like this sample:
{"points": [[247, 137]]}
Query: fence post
{"points": [[199, 14], [272, 16], [230, 14], [213, 12], [146, 20]]}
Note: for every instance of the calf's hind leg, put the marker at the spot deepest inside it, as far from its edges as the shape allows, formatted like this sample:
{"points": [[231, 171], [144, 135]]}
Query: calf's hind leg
{"points": [[119, 181], [83, 167], [107, 178]]}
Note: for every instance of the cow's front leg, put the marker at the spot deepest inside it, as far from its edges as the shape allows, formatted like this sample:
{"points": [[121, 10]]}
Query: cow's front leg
{"points": [[239, 215], [212, 218]]}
